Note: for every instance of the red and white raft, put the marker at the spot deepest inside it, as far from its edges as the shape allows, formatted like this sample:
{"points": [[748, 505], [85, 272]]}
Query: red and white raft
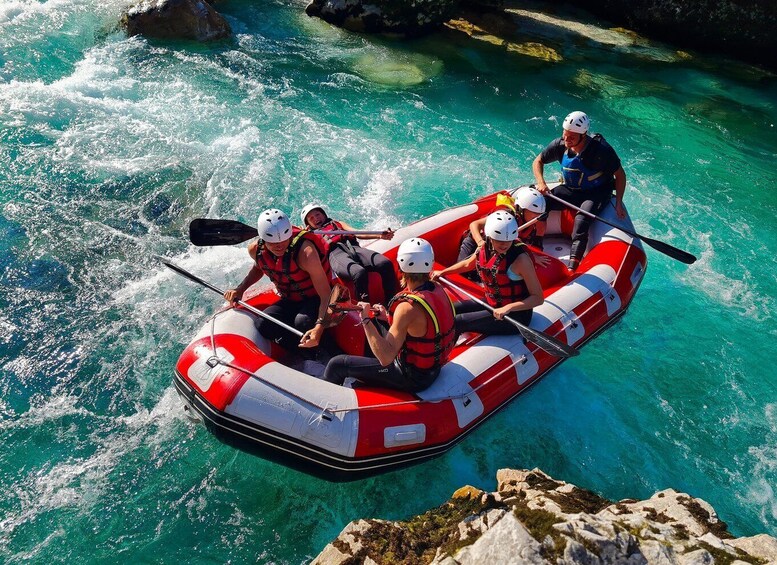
{"points": [[233, 380]]}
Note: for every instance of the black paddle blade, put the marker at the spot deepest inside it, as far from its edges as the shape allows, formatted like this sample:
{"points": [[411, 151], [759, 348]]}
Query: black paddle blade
{"points": [[548, 343], [205, 231], [673, 252]]}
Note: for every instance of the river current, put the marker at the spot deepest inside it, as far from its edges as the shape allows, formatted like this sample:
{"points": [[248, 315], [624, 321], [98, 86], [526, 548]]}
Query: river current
{"points": [[110, 145]]}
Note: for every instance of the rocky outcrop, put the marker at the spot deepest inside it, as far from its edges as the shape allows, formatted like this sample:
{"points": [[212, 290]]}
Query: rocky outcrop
{"points": [[740, 28], [408, 18], [175, 19], [533, 518]]}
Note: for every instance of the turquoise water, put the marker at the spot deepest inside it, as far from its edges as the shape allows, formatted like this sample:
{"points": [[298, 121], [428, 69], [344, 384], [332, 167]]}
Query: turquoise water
{"points": [[109, 146]]}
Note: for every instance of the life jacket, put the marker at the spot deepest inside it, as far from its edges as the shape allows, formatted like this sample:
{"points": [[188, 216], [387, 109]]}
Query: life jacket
{"points": [[492, 269], [333, 240], [579, 176], [504, 202], [291, 281], [430, 352]]}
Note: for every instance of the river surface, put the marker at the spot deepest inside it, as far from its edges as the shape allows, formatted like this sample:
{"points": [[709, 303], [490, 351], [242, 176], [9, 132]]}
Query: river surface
{"points": [[109, 146]]}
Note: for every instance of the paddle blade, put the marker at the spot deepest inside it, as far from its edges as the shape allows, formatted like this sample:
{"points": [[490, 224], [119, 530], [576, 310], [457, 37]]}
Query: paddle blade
{"points": [[547, 343], [673, 252], [205, 231]]}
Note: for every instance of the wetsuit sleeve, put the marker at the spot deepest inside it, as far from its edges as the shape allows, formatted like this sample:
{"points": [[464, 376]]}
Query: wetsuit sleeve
{"points": [[553, 152]]}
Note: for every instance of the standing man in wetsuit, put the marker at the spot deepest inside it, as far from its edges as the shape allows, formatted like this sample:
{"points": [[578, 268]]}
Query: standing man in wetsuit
{"points": [[591, 171], [421, 335]]}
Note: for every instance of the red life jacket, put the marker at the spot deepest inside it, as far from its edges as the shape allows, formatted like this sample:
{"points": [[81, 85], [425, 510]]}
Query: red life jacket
{"points": [[332, 240], [492, 268], [290, 280], [430, 352]]}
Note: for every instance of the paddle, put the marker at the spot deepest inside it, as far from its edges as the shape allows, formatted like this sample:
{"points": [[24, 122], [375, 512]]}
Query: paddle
{"points": [[220, 292], [206, 231], [544, 341], [664, 248]]}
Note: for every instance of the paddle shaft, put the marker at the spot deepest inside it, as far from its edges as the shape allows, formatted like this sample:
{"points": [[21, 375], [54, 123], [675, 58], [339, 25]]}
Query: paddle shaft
{"points": [[204, 231], [544, 341], [349, 232], [220, 292], [664, 248]]}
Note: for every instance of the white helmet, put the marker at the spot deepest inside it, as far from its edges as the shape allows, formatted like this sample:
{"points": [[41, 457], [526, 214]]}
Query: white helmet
{"points": [[577, 122], [415, 255], [529, 198], [308, 209], [273, 226], [501, 226]]}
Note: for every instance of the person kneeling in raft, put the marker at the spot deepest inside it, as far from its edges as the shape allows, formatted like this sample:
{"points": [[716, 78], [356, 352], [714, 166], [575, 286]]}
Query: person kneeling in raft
{"points": [[296, 261], [350, 261], [509, 280], [421, 334]]}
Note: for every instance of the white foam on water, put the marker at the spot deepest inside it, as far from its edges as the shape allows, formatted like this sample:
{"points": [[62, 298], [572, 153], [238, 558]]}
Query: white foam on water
{"points": [[81, 482], [45, 409], [762, 489], [734, 292]]}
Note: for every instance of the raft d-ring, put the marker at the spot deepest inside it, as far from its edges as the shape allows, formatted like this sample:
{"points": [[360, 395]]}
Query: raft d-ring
{"points": [[212, 362], [523, 359]]}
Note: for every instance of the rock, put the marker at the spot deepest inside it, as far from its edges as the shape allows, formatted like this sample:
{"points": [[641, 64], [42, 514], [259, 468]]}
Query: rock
{"points": [[656, 553], [506, 542], [760, 546], [468, 492], [741, 29], [534, 518], [698, 557], [345, 547], [409, 18], [175, 19]]}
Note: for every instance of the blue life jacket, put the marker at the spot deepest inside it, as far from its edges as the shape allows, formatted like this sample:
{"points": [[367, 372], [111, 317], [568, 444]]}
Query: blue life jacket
{"points": [[577, 175]]}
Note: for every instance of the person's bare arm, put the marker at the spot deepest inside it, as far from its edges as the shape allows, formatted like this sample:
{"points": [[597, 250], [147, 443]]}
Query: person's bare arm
{"points": [[620, 190], [251, 278], [310, 262], [463, 266], [538, 168], [475, 229], [387, 348]]}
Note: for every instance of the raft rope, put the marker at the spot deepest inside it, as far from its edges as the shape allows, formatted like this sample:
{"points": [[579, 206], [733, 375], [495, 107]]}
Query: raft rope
{"points": [[218, 360], [327, 409]]}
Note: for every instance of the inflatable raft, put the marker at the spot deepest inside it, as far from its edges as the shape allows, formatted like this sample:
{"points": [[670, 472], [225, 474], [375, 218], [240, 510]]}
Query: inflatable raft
{"points": [[252, 395]]}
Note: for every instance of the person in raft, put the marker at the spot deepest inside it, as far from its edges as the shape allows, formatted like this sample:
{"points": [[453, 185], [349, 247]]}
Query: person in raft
{"points": [[295, 260], [349, 260], [420, 336], [474, 237], [509, 280], [591, 171], [526, 205]]}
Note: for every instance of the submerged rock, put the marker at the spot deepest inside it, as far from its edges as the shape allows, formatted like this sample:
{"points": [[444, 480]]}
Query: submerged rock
{"points": [[533, 518], [175, 19]]}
